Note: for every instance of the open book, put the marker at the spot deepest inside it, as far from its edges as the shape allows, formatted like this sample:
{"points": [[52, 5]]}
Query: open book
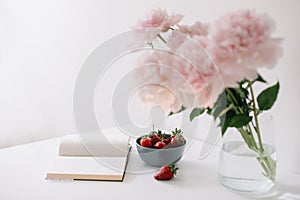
{"points": [[92, 156]]}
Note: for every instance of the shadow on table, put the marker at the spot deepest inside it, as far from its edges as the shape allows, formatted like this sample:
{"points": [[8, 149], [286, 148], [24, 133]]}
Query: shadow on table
{"points": [[193, 175], [280, 191]]}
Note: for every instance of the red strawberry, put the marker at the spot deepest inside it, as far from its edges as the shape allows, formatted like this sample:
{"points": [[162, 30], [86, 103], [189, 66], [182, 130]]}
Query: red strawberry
{"points": [[165, 138], [159, 145], [174, 142], [166, 172], [146, 142], [177, 139], [154, 139]]}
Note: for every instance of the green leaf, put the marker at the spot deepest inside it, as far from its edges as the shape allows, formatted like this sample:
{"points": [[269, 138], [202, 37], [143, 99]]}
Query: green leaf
{"points": [[217, 110], [196, 112], [267, 97], [243, 93], [220, 105], [234, 97], [243, 82], [225, 121], [239, 120], [180, 110], [208, 111], [259, 79]]}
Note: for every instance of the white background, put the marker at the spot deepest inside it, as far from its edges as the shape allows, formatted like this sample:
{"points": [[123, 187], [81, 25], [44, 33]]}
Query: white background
{"points": [[44, 42]]}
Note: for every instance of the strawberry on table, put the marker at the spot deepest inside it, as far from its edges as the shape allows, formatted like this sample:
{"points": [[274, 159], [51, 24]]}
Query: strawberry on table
{"points": [[166, 172]]}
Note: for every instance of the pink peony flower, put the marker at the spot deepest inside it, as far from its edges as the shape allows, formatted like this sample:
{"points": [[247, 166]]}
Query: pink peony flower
{"points": [[238, 45], [196, 55], [176, 39], [156, 94], [161, 19], [172, 80], [201, 73], [155, 21], [241, 32], [198, 31], [156, 77]]}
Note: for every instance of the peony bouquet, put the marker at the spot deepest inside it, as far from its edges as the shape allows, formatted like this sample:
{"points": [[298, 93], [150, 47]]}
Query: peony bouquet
{"points": [[211, 67]]}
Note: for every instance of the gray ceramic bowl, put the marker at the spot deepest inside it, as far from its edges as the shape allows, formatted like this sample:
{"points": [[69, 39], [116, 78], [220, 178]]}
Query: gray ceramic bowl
{"points": [[159, 157]]}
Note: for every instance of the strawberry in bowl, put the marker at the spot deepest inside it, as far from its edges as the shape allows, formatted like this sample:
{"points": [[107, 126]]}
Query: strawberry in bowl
{"points": [[159, 148]]}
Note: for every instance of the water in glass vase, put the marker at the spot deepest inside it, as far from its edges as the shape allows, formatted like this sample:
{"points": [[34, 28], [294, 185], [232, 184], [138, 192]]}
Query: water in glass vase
{"points": [[240, 169]]}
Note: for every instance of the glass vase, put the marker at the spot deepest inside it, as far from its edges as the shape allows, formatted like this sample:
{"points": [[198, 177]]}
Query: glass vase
{"points": [[246, 165]]}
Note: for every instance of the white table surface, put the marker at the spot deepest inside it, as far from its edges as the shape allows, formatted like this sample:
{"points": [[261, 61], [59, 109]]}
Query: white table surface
{"points": [[23, 169]]}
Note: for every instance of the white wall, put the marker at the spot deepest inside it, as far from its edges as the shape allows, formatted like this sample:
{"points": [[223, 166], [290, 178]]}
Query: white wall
{"points": [[44, 42]]}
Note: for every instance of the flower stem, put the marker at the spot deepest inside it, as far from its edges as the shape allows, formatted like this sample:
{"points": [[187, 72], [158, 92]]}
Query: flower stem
{"points": [[255, 117], [251, 135], [232, 96], [162, 39], [234, 100]]}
